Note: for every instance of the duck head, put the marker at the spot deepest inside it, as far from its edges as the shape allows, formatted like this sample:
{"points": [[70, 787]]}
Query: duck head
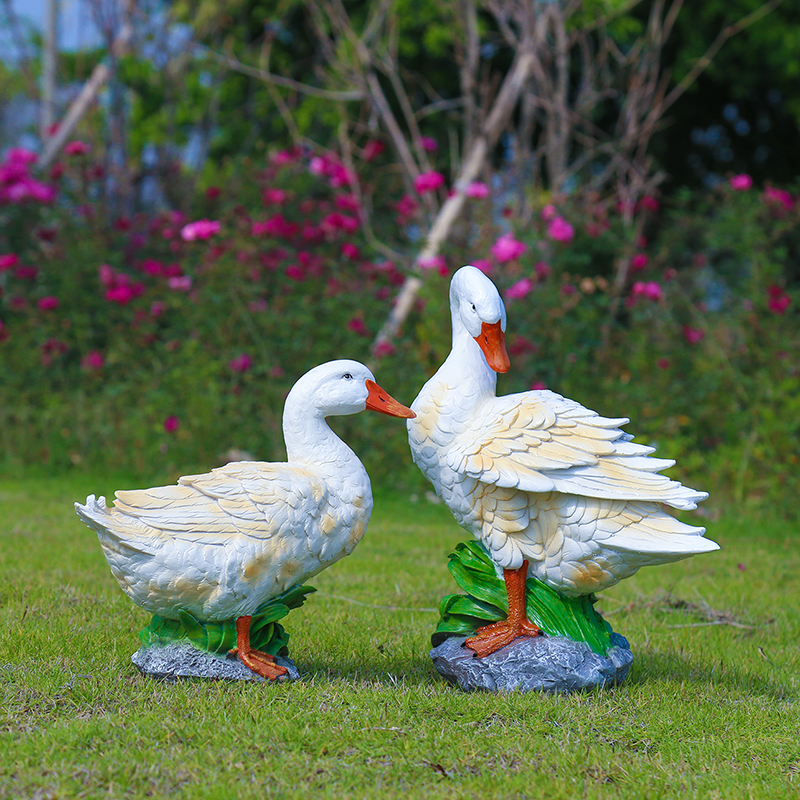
{"points": [[477, 309], [339, 388]]}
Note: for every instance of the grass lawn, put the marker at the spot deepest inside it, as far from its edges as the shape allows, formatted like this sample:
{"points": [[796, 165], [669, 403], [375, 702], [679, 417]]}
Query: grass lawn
{"points": [[709, 710]]}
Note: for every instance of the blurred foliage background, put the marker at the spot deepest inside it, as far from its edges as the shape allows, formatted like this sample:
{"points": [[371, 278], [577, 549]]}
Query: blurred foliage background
{"points": [[233, 206]]}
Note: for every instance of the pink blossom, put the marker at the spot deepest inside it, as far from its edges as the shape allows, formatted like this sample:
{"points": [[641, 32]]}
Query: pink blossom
{"points": [[484, 265], [372, 149], [283, 157], [542, 270], [437, 263], [295, 272], [201, 229], [740, 183], [8, 261], [171, 424], [778, 301], [241, 363], [521, 345], [157, 308], [428, 143], [350, 251], [518, 290], [477, 190], [275, 197], [549, 212], [76, 148], [779, 198], [277, 226], [339, 222], [348, 202], [180, 283], [649, 203], [560, 230], [639, 262], [93, 360], [51, 348], [538, 386], [48, 303], [26, 273], [662, 363], [651, 290], [507, 248], [384, 348], [152, 267], [428, 182], [692, 335], [21, 155], [213, 192], [356, 324], [406, 205]]}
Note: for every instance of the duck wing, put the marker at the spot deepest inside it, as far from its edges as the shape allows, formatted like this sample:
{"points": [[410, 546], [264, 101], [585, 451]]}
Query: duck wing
{"points": [[543, 442], [257, 500]]}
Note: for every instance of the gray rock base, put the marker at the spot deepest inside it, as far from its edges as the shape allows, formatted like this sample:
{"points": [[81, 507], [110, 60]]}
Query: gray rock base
{"points": [[174, 661], [539, 664]]}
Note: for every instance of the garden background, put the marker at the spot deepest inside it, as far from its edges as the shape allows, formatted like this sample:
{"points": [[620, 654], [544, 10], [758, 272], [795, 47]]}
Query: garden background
{"points": [[216, 196]]}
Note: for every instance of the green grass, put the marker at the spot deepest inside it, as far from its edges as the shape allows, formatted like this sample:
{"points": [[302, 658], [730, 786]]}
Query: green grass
{"points": [[709, 710]]}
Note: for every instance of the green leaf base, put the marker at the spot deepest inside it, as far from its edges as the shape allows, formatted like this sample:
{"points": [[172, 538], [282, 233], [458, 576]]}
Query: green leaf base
{"points": [[266, 633], [486, 601]]}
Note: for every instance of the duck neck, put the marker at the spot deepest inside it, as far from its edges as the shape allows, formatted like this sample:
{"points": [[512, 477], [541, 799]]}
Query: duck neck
{"points": [[310, 440], [466, 366]]}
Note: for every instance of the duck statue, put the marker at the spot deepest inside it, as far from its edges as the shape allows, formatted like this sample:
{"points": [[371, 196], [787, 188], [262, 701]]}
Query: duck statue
{"points": [[551, 489], [221, 544]]}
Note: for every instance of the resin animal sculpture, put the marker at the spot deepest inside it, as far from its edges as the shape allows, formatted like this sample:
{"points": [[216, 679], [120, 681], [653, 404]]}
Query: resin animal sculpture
{"points": [[219, 545], [550, 488]]}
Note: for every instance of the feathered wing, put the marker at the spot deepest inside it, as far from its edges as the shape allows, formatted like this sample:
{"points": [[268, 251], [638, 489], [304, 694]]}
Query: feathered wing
{"points": [[253, 499], [543, 442]]}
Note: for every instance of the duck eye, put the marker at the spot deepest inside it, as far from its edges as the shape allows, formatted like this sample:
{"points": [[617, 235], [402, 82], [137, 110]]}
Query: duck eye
{"points": [[347, 376], [473, 307]]}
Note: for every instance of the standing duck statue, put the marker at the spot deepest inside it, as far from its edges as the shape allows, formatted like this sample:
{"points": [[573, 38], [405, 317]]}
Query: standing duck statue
{"points": [[221, 544], [551, 489]]}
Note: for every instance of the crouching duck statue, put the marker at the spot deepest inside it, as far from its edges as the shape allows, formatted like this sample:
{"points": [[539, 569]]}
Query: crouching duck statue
{"points": [[217, 546]]}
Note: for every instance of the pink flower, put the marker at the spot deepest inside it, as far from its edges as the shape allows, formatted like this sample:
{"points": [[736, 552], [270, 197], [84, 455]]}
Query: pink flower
{"points": [[521, 345], [542, 270], [692, 335], [477, 190], [213, 192], [48, 303], [740, 183], [406, 205], [275, 197], [538, 386], [356, 324], [384, 348], [348, 202], [779, 198], [651, 290], [372, 149], [76, 148], [180, 283], [295, 272], [20, 155], [639, 262], [241, 363], [339, 222], [171, 424], [548, 212], [202, 229], [428, 182], [560, 230], [519, 289], [8, 261], [662, 363], [507, 248], [649, 203], [93, 360], [484, 265], [435, 262], [778, 300], [283, 157], [350, 251], [428, 143]]}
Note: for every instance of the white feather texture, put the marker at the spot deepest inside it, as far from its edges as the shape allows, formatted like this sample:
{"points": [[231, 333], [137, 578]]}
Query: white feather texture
{"points": [[219, 545], [537, 477]]}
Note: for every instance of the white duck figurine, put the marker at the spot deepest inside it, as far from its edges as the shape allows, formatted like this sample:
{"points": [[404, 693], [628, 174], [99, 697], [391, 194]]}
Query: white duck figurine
{"points": [[219, 545], [551, 489]]}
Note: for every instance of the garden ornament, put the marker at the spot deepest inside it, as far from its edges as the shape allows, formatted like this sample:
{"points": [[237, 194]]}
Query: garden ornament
{"points": [[215, 551], [561, 501]]}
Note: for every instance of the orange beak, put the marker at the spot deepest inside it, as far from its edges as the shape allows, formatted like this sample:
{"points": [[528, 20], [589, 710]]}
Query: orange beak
{"points": [[379, 400], [492, 341]]}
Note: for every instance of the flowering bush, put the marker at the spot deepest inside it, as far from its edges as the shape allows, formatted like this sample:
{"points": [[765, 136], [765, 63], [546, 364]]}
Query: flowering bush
{"points": [[161, 340]]}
